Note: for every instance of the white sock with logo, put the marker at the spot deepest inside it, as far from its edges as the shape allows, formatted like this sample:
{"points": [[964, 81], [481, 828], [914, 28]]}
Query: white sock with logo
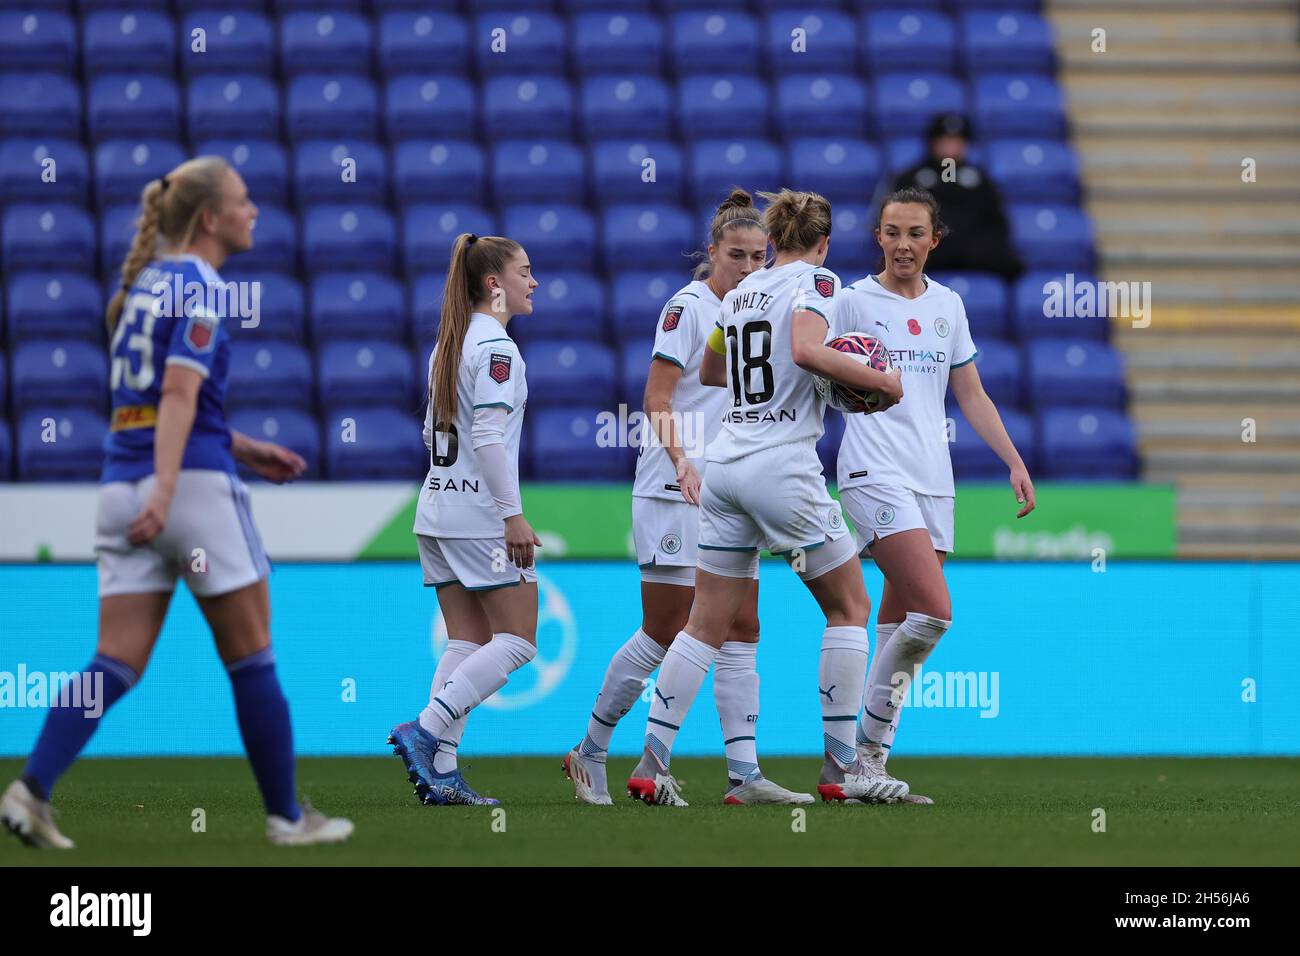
{"points": [[841, 672], [735, 691], [683, 671], [911, 644], [455, 652], [624, 681], [883, 633], [477, 678]]}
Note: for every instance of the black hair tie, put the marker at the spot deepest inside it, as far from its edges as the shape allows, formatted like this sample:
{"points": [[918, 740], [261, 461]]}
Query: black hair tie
{"points": [[471, 240], [166, 181]]}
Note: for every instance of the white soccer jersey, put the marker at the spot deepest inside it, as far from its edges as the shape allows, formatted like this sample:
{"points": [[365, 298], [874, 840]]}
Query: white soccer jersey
{"points": [[680, 337], [906, 445], [772, 400], [455, 501]]}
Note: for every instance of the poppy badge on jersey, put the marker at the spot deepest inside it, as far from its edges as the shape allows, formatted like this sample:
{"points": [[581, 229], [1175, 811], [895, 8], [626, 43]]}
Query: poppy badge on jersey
{"points": [[824, 284], [672, 317], [499, 367], [201, 332]]}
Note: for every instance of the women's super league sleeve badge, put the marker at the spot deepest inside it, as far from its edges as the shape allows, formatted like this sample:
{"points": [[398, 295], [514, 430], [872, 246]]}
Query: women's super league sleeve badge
{"points": [[201, 331], [499, 367], [824, 284], [672, 317]]}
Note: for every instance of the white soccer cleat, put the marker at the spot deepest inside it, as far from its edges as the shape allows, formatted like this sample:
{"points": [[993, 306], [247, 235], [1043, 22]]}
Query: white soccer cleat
{"points": [[660, 790], [761, 790], [867, 782], [311, 827], [867, 751], [31, 819], [588, 776]]}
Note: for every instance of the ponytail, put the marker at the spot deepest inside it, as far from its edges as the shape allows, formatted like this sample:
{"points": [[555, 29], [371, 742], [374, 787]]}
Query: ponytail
{"points": [[141, 252]]}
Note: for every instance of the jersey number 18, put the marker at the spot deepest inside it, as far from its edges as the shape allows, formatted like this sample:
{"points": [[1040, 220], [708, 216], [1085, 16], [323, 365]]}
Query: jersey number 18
{"points": [[753, 359]]}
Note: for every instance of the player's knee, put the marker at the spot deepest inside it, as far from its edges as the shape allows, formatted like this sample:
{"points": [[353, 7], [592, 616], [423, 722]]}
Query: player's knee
{"points": [[744, 629]]}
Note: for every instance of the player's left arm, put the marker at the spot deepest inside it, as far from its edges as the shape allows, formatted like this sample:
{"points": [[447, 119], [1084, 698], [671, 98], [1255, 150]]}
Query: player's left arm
{"points": [[983, 416], [273, 462]]}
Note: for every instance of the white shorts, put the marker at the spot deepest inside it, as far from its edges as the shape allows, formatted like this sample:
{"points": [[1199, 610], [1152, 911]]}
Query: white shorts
{"points": [[877, 511], [665, 533], [476, 564], [774, 498], [209, 538]]}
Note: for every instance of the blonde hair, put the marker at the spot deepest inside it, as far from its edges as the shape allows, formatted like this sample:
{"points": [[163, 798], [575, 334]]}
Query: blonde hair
{"points": [[735, 212], [169, 210], [796, 221], [473, 259]]}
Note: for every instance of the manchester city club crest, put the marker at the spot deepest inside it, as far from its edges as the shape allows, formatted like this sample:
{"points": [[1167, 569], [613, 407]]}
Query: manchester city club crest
{"points": [[836, 520], [884, 515], [941, 327], [670, 543]]}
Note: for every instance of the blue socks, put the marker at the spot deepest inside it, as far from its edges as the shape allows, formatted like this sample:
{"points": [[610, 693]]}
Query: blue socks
{"points": [[68, 729], [268, 735]]}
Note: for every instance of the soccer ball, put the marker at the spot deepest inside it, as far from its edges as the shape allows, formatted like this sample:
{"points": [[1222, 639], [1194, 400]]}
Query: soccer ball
{"points": [[868, 350]]}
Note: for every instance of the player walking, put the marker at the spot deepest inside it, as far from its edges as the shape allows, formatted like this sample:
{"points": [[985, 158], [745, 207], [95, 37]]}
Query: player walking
{"points": [[679, 408], [895, 473], [170, 503], [476, 547], [763, 487]]}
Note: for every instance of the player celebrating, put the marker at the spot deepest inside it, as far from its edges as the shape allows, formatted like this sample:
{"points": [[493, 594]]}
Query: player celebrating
{"points": [[170, 503], [895, 473], [476, 547], [665, 523], [763, 487]]}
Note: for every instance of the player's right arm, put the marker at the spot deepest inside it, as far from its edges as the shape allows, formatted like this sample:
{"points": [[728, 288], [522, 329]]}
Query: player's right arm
{"points": [[810, 353], [713, 366]]}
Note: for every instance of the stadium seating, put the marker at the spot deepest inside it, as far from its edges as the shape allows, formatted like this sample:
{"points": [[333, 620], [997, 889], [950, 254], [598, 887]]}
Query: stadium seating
{"points": [[64, 444], [27, 160], [1075, 372], [973, 460], [289, 427], [269, 373], [1081, 444]]}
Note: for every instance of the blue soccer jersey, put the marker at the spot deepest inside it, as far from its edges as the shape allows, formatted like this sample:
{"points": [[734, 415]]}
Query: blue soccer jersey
{"points": [[170, 316]]}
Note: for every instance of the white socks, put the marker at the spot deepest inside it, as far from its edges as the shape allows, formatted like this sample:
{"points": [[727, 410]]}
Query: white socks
{"points": [[883, 633], [479, 676], [683, 671], [455, 652], [624, 681], [735, 691], [891, 676], [841, 673]]}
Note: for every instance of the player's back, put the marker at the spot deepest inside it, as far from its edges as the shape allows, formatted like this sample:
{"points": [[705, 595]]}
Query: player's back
{"points": [[172, 316], [772, 400]]}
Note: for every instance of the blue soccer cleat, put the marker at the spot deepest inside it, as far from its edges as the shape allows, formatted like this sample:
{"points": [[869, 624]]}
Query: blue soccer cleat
{"points": [[450, 789], [416, 746]]}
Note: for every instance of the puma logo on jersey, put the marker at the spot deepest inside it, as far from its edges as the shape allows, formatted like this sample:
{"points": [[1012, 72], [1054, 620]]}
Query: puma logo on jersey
{"points": [[672, 317], [499, 367]]}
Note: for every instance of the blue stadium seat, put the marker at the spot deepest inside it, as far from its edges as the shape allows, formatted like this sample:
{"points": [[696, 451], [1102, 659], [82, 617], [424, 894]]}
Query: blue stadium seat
{"points": [[637, 298], [722, 105], [46, 236], [1075, 372], [906, 103], [623, 106], [1010, 41], [909, 41], [1029, 5], [617, 40], [699, 42], [510, 6], [318, 171], [6, 442], [673, 5], [555, 236], [357, 305], [49, 304], [348, 236], [235, 41], [420, 106], [718, 164], [570, 371], [23, 166], [828, 44], [1001, 372], [263, 164], [268, 372], [426, 310], [33, 39], [538, 170], [412, 41], [828, 446], [188, 6], [904, 152], [562, 444], [515, 106], [566, 305], [282, 8], [576, 7], [821, 104], [324, 41], [984, 296], [1044, 170], [116, 232], [296, 430], [853, 251], [1051, 236], [75, 454], [1010, 105], [439, 6], [634, 360], [232, 105], [122, 104], [128, 41], [972, 460], [445, 170], [649, 236], [1056, 305], [39, 104], [529, 42], [124, 166], [282, 311], [386, 444], [51, 373], [1079, 444], [364, 372], [841, 169], [323, 104], [428, 231], [618, 166]]}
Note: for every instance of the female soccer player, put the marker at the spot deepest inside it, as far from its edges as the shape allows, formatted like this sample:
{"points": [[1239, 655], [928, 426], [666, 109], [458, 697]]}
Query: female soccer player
{"points": [[476, 547], [763, 487], [895, 474], [170, 503], [665, 524]]}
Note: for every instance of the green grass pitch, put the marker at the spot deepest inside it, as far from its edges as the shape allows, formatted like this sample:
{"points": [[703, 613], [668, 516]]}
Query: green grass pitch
{"points": [[1158, 811]]}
